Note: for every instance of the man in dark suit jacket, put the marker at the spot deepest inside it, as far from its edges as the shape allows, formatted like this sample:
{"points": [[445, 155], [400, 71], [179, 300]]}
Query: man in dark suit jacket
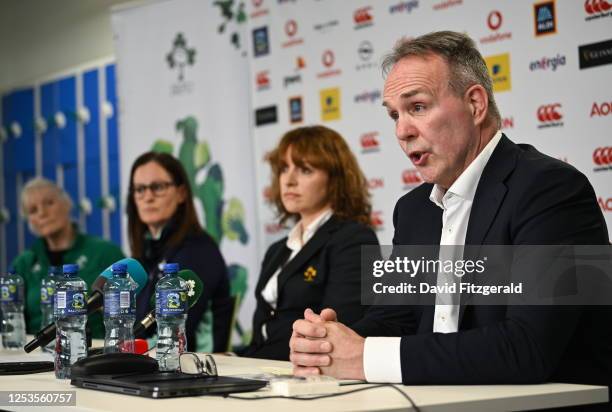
{"points": [[439, 94]]}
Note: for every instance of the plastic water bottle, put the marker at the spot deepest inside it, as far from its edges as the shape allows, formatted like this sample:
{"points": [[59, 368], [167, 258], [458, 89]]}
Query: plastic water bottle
{"points": [[47, 296], [70, 319], [11, 303], [119, 311], [171, 313]]}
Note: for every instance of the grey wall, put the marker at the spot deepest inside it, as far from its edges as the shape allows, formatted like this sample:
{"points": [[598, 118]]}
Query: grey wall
{"points": [[39, 38]]}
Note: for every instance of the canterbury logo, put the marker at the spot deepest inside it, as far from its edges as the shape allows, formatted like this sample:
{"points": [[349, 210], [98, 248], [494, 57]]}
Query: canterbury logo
{"points": [[549, 113], [602, 156], [411, 177], [597, 6], [362, 15]]}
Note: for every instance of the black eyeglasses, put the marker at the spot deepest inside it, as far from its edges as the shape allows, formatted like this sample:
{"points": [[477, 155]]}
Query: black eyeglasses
{"points": [[157, 188], [197, 364]]}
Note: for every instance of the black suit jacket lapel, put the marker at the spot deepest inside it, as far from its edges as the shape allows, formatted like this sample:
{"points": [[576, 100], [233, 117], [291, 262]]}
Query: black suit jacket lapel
{"points": [[488, 198], [277, 258], [319, 240]]}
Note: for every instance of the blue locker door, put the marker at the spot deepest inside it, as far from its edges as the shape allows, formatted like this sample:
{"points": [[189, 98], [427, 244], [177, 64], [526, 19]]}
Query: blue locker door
{"points": [[93, 189], [113, 155], [67, 140], [10, 181], [49, 105]]}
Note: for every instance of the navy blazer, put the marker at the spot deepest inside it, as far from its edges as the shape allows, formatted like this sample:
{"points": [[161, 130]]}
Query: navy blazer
{"points": [[523, 198], [324, 274]]}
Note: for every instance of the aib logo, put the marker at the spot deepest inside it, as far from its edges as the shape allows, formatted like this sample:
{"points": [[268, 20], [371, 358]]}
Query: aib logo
{"points": [[597, 9], [363, 17], [549, 116], [605, 204], [602, 157], [180, 56]]}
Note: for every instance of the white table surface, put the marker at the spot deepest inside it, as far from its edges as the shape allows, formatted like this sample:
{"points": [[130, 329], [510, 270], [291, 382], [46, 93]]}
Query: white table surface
{"points": [[428, 398]]}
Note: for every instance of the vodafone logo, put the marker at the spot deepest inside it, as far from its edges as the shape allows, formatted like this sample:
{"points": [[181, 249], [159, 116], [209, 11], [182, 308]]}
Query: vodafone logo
{"points": [[369, 142], [494, 21], [602, 157], [291, 28], [411, 178], [549, 115], [596, 6], [328, 58], [605, 204], [603, 109]]}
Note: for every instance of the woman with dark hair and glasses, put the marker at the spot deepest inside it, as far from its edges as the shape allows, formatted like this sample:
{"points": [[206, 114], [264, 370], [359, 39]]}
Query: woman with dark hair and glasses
{"points": [[163, 227], [316, 184]]}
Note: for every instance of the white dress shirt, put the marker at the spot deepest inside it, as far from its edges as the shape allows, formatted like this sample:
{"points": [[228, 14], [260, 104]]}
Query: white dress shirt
{"points": [[381, 355], [295, 241]]}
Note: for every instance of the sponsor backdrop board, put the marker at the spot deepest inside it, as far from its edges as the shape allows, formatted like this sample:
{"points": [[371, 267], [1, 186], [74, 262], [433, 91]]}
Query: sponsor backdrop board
{"points": [[319, 62], [182, 83]]}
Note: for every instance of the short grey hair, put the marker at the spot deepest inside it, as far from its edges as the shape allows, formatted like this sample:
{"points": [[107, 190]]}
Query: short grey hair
{"points": [[466, 65], [38, 183]]}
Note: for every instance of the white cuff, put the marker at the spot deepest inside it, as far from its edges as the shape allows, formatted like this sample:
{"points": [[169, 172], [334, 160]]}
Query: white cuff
{"points": [[381, 360]]}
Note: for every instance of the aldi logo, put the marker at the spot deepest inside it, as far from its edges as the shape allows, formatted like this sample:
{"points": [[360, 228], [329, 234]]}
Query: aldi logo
{"points": [[499, 70], [545, 18], [330, 104]]}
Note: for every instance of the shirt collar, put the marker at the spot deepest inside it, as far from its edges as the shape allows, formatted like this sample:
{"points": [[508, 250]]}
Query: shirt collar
{"points": [[297, 239], [466, 184]]}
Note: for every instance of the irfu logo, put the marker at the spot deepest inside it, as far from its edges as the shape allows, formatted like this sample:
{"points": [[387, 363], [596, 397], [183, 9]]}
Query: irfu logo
{"points": [[180, 55]]}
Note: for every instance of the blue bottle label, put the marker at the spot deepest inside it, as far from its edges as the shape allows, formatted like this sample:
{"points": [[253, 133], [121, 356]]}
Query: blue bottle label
{"points": [[119, 303], [46, 295], [70, 303], [11, 294], [171, 302]]}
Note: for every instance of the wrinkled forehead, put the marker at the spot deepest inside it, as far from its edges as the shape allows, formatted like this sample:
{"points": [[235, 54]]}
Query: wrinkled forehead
{"points": [[429, 70]]}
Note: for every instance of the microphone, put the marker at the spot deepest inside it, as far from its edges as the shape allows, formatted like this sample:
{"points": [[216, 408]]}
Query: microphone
{"points": [[95, 301], [196, 287]]}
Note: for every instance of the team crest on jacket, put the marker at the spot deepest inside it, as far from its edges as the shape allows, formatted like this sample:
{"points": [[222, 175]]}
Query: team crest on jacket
{"points": [[310, 274]]}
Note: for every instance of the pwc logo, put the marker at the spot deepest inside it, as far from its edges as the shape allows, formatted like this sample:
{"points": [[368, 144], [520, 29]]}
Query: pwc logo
{"points": [[549, 115], [377, 220], [602, 110], [363, 17], [605, 204], [328, 60], [602, 157], [262, 80], [369, 142], [411, 179], [597, 9], [291, 29], [494, 22], [376, 183]]}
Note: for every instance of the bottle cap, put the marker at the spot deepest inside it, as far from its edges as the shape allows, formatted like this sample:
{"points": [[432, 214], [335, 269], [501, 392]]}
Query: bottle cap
{"points": [[70, 269], [171, 268], [119, 267]]}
